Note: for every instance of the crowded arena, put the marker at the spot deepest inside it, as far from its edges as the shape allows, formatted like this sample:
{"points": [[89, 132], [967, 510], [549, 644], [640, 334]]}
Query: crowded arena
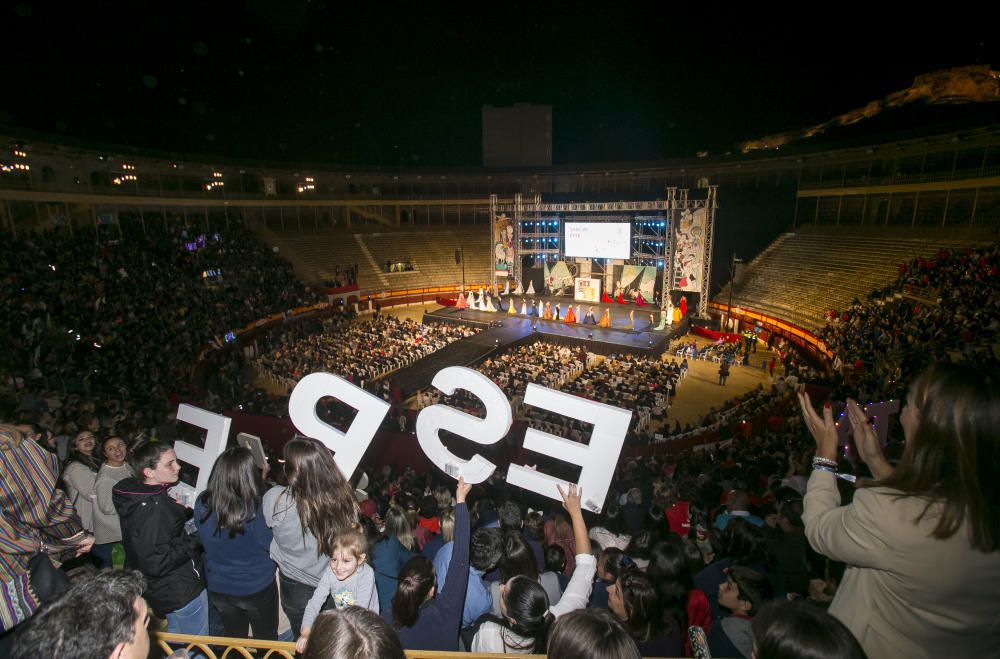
{"points": [[735, 402]]}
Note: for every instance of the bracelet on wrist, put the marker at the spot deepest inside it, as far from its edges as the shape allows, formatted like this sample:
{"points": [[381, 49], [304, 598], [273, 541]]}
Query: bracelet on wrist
{"points": [[824, 461]]}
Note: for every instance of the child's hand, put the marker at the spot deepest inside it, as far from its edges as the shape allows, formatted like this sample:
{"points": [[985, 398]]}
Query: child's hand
{"points": [[300, 645]]}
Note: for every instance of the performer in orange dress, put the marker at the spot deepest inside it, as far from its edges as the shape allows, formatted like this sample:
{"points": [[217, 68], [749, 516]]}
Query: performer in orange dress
{"points": [[570, 317], [606, 319], [548, 312]]}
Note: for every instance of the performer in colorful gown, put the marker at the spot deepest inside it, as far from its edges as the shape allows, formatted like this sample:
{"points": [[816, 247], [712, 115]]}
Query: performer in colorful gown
{"points": [[556, 312], [605, 319], [570, 317], [631, 319], [548, 312], [524, 307], [589, 318]]}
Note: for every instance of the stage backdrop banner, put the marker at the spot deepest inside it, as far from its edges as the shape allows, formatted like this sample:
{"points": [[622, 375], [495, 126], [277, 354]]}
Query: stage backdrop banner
{"points": [[503, 246], [638, 279], [587, 290], [559, 277], [690, 252]]}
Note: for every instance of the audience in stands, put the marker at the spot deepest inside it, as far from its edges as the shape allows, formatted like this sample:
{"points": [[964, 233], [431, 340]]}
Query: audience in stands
{"points": [[704, 538], [127, 318], [359, 351]]}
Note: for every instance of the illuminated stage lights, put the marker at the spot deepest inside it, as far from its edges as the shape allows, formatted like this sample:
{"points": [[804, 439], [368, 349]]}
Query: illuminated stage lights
{"points": [[15, 167], [118, 180], [20, 154]]}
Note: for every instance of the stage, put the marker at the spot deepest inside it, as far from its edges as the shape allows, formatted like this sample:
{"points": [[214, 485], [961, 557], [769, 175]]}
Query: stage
{"points": [[501, 330]]}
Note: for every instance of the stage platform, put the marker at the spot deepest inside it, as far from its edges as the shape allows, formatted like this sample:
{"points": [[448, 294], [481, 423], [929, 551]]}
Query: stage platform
{"points": [[501, 330]]}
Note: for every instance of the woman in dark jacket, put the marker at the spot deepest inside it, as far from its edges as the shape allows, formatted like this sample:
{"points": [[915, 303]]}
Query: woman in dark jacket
{"points": [[156, 542]]}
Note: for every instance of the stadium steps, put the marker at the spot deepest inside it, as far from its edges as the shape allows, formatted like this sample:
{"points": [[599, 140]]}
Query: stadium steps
{"points": [[800, 276], [314, 254]]}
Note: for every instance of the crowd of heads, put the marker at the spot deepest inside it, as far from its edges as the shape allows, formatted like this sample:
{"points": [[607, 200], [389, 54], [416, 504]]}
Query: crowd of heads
{"points": [[712, 538]]}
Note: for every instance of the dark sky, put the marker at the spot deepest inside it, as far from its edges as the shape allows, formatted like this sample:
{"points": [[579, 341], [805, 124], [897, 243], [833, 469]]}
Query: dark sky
{"points": [[403, 84]]}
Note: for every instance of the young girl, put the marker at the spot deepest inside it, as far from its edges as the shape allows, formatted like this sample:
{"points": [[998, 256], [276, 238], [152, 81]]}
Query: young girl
{"points": [[349, 581]]}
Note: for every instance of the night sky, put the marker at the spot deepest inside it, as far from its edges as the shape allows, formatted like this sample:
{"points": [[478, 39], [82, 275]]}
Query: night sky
{"points": [[403, 84]]}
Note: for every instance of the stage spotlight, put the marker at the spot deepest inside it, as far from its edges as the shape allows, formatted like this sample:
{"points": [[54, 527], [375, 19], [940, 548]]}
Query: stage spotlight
{"points": [[590, 335], [496, 342], [651, 343], [534, 328]]}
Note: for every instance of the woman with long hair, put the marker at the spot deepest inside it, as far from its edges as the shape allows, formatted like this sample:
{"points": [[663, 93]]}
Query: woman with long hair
{"points": [[423, 621], [80, 477], [525, 611], [107, 527], [636, 603], [518, 559], [306, 516], [390, 553], [238, 567], [670, 571], [922, 540]]}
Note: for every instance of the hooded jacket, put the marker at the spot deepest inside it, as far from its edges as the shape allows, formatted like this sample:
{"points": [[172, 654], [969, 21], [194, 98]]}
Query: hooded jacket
{"points": [[157, 545]]}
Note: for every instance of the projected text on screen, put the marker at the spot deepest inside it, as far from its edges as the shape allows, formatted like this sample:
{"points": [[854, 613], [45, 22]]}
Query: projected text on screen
{"points": [[599, 240]]}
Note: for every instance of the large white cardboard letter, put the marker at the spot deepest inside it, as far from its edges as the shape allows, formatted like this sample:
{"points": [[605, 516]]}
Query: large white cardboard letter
{"points": [[348, 448], [598, 459], [217, 427], [488, 430]]}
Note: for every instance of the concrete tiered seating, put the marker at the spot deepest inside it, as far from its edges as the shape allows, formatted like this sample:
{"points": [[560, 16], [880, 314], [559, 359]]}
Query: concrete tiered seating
{"points": [[803, 275], [431, 250]]}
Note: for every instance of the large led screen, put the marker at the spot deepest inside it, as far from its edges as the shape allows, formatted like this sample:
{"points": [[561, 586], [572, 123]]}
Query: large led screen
{"points": [[599, 240]]}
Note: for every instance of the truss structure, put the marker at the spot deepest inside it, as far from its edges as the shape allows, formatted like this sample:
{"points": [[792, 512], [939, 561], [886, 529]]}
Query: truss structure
{"points": [[677, 202]]}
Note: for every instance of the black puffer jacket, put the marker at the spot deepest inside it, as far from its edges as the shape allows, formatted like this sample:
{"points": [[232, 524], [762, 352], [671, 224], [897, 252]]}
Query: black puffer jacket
{"points": [[157, 545]]}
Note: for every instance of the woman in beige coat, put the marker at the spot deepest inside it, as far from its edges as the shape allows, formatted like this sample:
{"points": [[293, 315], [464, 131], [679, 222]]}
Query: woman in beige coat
{"points": [[921, 542], [80, 477]]}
